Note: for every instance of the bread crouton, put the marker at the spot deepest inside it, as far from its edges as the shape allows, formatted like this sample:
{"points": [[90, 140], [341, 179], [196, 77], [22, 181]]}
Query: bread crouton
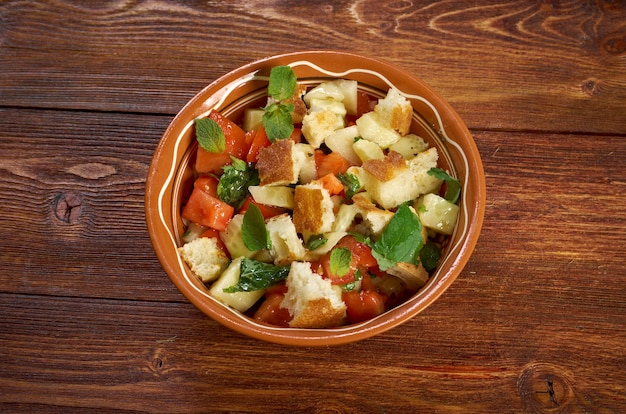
{"points": [[299, 107], [205, 259], [304, 157], [286, 245], [277, 163], [395, 111], [386, 168], [317, 125], [312, 209], [375, 219], [312, 301], [407, 183], [373, 128]]}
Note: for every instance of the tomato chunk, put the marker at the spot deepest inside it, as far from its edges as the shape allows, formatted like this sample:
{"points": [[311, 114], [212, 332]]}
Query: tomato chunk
{"points": [[259, 141], [332, 163], [207, 183], [206, 210], [271, 312], [363, 305], [362, 251], [236, 144], [339, 279], [331, 183]]}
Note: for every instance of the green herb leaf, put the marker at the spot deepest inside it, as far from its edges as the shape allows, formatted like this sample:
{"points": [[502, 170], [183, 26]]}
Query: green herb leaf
{"points": [[453, 186], [429, 256], [352, 285], [340, 259], [277, 121], [255, 275], [210, 135], [351, 182], [400, 241], [315, 241], [253, 230], [282, 84], [234, 182]]}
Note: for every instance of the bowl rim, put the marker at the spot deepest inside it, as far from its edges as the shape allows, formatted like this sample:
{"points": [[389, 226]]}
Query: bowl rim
{"points": [[210, 96]]}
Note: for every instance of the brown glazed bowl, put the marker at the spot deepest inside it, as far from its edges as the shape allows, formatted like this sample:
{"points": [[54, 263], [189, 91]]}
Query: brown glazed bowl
{"points": [[170, 176]]}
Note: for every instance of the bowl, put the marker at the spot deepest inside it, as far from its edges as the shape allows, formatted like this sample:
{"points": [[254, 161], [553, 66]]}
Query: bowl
{"points": [[170, 175]]}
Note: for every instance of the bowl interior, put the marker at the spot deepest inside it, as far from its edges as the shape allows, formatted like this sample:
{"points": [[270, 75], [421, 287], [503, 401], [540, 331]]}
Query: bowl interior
{"points": [[171, 177]]}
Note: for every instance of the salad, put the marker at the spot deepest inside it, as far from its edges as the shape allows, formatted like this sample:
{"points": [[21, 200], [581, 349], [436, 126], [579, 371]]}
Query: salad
{"points": [[318, 210]]}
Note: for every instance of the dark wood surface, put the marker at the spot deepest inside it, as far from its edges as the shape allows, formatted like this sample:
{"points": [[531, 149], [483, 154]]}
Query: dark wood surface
{"points": [[89, 322]]}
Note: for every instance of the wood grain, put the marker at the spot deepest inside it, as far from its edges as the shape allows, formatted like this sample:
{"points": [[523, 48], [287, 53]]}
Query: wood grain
{"points": [[89, 321], [535, 65]]}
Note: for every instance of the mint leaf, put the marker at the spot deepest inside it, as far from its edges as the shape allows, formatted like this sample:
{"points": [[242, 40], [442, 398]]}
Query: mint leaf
{"points": [[282, 84], [429, 256], [255, 275], [277, 121], [400, 241], [315, 241], [253, 230], [453, 186], [210, 135], [340, 259], [234, 182], [351, 182], [352, 285]]}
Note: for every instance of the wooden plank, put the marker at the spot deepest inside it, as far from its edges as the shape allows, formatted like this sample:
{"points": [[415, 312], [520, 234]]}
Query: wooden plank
{"points": [[71, 354], [503, 65], [72, 191]]}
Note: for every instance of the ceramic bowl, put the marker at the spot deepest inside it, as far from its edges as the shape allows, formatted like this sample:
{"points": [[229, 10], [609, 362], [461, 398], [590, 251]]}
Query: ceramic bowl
{"points": [[170, 178]]}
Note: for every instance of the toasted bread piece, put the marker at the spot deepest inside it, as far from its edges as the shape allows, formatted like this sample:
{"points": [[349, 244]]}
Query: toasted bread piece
{"points": [[375, 219], [312, 301], [386, 168], [276, 163], [395, 111], [286, 245], [205, 259], [299, 107], [317, 125], [312, 209], [407, 183]]}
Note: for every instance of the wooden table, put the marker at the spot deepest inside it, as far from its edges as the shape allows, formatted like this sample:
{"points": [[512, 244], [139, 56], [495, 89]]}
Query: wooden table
{"points": [[89, 321]]}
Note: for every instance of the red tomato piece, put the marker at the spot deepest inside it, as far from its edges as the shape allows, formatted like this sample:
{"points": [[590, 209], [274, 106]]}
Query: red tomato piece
{"points": [[236, 144], [296, 135], [210, 162], [361, 250], [266, 211], [259, 141], [332, 163], [363, 305], [331, 183], [206, 210], [271, 312], [335, 279], [364, 103], [207, 183]]}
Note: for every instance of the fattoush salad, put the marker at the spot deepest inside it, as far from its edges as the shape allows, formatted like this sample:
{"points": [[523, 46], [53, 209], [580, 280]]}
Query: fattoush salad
{"points": [[318, 210]]}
